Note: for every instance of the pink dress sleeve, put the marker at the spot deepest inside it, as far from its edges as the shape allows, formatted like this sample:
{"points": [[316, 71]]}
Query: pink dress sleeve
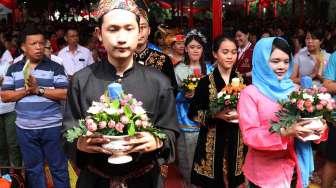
{"points": [[253, 123]]}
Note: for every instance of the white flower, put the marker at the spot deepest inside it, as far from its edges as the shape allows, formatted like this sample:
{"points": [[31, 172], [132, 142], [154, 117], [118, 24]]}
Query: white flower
{"points": [[307, 96], [111, 111], [227, 97], [220, 94], [324, 96], [96, 107], [138, 110], [194, 79]]}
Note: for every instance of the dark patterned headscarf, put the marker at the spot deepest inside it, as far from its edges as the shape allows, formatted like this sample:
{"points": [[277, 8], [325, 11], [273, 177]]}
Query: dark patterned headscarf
{"points": [[106, 6]]}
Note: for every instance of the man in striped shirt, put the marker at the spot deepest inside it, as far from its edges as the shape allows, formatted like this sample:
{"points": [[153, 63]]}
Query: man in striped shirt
{"points": [[38, 109]]}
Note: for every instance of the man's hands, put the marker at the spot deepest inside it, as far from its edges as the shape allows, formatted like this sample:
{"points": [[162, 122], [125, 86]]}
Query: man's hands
{"points": [[92, 144], [143, 142], [32, 85]]}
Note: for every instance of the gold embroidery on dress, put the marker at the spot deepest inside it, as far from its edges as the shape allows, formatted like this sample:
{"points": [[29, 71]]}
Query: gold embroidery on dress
{"points": [[155, 60], [201, 116], [212, 88], [206, 166], [239, 154]]}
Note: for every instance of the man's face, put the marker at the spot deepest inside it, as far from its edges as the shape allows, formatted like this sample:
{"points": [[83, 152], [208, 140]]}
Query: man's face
{"points": [[72, 37], [119, 33], [34, 47], [144, 31]]}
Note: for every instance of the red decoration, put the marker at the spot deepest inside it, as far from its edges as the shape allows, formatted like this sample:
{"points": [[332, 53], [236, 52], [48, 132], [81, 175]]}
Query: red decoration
{"points": [[217, 18], [10, 4], [164, 4]]}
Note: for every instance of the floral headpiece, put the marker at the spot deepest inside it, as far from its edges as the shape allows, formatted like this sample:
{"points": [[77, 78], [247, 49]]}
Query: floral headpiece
{"points": [[105, 6], [195, 32]]}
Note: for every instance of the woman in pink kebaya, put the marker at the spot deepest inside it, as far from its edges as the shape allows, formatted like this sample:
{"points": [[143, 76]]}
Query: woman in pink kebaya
{"points": [[271, 161]]}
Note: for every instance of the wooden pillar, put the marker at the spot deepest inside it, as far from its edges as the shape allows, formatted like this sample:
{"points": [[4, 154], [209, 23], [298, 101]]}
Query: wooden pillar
{"points": [[217, 6], [301, 12], [275, 11], [190, 18]]}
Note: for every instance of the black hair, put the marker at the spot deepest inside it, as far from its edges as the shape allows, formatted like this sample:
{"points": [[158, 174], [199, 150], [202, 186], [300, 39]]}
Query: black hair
{"points": [[71, 28], [201, 42], [316, 33], [243, 29], [30, 29], [282, 44], [101, 19], [218, 41]]}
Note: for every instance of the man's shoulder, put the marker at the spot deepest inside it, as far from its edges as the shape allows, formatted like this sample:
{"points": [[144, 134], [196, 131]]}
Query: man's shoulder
{"points": [[86, 71], [83, 49], [152, 73], [16, 67], [63, 51]]}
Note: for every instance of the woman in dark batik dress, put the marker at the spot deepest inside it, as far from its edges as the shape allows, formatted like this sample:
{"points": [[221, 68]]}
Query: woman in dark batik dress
{"points": [[220, 151]]}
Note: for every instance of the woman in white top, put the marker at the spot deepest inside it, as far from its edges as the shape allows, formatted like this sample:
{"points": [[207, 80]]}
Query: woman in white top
{"points": [[311, 60]]}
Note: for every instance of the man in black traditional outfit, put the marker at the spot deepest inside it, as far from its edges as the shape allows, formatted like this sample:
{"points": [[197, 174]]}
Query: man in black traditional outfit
{"points": [[119, 32], [150, 57]]}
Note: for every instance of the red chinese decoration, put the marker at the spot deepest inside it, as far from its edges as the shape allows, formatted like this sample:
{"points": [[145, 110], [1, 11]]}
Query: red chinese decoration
{"points": [[164, 4], [10, 4], [217, 18]]}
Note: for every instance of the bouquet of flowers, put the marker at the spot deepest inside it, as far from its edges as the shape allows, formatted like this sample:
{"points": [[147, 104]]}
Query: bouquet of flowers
{"points": [[227, 97], [114, 117], [314, 103], [190, 83]]}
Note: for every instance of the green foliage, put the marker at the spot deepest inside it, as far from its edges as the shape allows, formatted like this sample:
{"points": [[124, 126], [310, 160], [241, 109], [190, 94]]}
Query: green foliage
{"points": [[76, 132]]}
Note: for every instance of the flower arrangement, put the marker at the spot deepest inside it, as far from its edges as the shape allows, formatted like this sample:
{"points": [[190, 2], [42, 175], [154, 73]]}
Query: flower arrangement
{"points": [[190, 83], [227, 97], [123, 115], [304, 103]]}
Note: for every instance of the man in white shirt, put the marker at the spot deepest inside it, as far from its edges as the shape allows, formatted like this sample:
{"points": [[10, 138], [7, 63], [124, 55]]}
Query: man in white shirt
{"points": [[9, 149], [75, 57]]}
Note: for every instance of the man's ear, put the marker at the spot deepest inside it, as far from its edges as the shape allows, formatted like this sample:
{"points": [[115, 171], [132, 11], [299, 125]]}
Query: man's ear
{"points": [[98, 33]]}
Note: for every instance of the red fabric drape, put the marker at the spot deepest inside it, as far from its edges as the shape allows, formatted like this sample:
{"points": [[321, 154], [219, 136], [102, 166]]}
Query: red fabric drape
{"points": [[10, 4], [217, 18]]}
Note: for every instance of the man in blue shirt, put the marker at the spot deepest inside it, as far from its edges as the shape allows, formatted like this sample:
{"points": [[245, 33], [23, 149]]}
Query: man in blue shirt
{"points": [[38, 109]]}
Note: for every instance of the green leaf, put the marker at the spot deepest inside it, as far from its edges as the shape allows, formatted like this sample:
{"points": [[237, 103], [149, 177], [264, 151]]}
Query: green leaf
{"points": [[75, 132], [115, 104], [26, 72], [128, 112], [131, 129]]}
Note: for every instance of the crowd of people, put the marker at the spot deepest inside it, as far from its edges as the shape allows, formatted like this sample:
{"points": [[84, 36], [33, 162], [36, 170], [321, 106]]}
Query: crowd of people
{"points": [[70, 66]]}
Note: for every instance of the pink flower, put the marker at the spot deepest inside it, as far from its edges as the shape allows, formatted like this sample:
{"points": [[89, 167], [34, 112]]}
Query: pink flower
{"points": [[124, 119], [102, 98], [308, 104], [91, 125], [319, 106], [111, 124], [119, 127], [299, 104], [324, 102], [120, 111], [138, 123], [323, 90], [145, 124], [123, 102], [330, 107], [310, 109], [144, 117], [102, 124]]}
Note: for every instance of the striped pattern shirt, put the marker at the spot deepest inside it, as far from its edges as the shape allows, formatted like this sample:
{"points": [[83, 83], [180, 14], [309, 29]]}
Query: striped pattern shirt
{"points": [[37, 112]]}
